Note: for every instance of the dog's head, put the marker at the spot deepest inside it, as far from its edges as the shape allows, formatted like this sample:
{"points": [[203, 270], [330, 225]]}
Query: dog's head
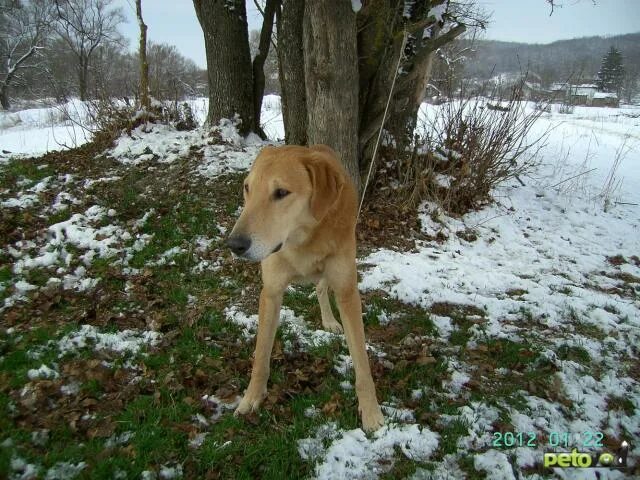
{"points": [[288, 191]]}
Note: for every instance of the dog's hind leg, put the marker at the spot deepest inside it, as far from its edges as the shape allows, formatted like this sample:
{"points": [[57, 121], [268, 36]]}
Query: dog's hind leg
{"points": [[344, 283], [329, 322]]}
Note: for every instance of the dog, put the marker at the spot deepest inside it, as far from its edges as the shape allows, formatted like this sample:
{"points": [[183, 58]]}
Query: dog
{"points": [[299, 220]]}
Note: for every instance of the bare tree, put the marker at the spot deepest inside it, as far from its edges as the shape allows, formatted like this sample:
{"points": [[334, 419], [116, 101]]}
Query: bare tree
{"points": [[171, 76], [269, 14], [24, 28], [291, 71], [226, 38], [331, 78], [142, 53], [84, 25]]}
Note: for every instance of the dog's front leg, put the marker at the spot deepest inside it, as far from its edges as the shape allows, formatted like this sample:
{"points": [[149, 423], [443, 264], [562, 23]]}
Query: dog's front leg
{"points": [[268, 319]]}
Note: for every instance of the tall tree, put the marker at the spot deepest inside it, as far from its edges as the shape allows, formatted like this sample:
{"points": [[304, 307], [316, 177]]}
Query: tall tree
{"points": [[268, 14], [290, 19], [612, 73], [24, 29], [226, 38], [142, 55], [331, 78], [84, 25], [351, 51]]}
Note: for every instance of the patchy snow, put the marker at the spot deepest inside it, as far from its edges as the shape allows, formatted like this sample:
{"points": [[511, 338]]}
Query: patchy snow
{"points": [[352, 455], [125, 341], [23, 470], [65, 470], [298, 334], [495, 463], [169, 472], [42, 372]]}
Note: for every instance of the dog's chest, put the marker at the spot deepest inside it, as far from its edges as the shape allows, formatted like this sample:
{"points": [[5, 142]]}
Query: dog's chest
{"points": [[306, 268]]}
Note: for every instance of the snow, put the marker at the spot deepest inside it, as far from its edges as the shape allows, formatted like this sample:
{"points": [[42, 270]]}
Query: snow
{"points": [[37, 131], [42, 372], [438, 11], [65, 471], [125, 341], [297, 332], [541, 249], [495, 463], [352, 455]]}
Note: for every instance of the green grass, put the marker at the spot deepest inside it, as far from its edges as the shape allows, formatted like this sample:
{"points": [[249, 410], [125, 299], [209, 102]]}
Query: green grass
{"points": [[17, 169], [203, 353]]}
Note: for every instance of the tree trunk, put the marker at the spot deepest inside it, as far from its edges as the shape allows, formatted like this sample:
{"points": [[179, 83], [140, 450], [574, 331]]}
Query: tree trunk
{"points": [[258, 62], [382, 25], [291, 68], [224, 24], [82, 80], [331, 78], [142, 52], [4, 97]]}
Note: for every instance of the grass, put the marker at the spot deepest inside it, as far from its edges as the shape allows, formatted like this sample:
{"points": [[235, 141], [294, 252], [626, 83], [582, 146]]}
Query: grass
{"points": [[157, 395]]}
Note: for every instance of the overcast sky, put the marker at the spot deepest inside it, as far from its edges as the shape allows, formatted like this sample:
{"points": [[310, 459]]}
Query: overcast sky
{"points": [[175, 22]]}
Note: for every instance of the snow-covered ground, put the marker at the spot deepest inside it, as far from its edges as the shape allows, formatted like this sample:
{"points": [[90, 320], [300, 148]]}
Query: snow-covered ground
{"points": [[540, 270], [36, 131]]}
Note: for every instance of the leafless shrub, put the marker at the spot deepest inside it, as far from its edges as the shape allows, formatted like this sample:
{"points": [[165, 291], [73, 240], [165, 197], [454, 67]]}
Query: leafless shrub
{"points": [[566, 108], [467, 149], [613, 183]]}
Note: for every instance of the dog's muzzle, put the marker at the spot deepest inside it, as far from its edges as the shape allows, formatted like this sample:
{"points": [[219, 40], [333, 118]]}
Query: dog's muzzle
{"points": [[239, 244]]}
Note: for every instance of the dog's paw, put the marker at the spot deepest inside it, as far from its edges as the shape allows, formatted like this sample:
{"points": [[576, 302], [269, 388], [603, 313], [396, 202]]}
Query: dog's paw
{"points": [[333, 327], [249, 403], [372, 419]]}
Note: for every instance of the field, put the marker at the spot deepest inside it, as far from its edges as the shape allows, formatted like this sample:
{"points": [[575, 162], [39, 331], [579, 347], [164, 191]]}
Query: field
{"points": [[126, 328]]}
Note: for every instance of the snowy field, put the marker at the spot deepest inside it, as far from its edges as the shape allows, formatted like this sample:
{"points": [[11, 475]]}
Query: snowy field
{"points": [[532, 306]]}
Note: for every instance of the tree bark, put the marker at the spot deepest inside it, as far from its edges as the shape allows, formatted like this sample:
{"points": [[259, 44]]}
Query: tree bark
{"points": [[258, 62], [291, 67], [224, 24], [142, 53], [331, 78], [4, 97], [382, 27], [83, 73]]}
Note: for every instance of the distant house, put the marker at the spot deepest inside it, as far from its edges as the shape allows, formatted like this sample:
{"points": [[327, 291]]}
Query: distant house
{"points": [[582, 94], [605, 99], [585, 94], [558, 92]]}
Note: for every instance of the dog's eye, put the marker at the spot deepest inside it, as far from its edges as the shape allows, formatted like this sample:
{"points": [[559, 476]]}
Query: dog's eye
{"points": [[246, 187], [280, 193]]}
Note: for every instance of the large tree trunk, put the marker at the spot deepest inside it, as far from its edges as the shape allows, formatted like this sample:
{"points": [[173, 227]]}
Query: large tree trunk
{"points": [[258, 62], [291, 68], [142, 52], [331, 74], [382, 26], [224, 24]]}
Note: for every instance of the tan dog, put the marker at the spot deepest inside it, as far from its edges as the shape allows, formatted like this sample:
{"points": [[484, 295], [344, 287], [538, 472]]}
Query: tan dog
{"points": [[299, 220]]}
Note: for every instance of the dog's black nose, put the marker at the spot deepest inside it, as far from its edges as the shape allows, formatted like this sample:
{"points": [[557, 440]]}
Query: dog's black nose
{"points": [[239, 244]]}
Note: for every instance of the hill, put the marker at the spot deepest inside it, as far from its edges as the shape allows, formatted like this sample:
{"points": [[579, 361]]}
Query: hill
{"points": [[557, 61]]}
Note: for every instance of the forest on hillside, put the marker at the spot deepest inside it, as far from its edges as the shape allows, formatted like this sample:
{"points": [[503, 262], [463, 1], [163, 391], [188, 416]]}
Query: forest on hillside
{"points": [[577, 58]]}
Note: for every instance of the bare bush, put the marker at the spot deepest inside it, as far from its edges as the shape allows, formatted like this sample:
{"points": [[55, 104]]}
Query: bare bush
{"points": [[466, 149]]}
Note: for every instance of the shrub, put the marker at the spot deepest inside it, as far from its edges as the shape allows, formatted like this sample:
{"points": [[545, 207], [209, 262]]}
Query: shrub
{"points": [[467, 148]]}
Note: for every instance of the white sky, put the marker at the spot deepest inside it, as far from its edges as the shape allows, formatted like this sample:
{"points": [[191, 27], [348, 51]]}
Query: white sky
{"points": [[175, 21]]}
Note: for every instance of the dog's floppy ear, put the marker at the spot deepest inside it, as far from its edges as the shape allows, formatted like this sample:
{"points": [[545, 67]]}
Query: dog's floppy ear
{"points": [[326, 182]]}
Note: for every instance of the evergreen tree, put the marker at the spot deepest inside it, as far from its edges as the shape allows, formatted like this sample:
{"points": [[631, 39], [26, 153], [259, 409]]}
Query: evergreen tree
{"points": [[611, 74]]}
